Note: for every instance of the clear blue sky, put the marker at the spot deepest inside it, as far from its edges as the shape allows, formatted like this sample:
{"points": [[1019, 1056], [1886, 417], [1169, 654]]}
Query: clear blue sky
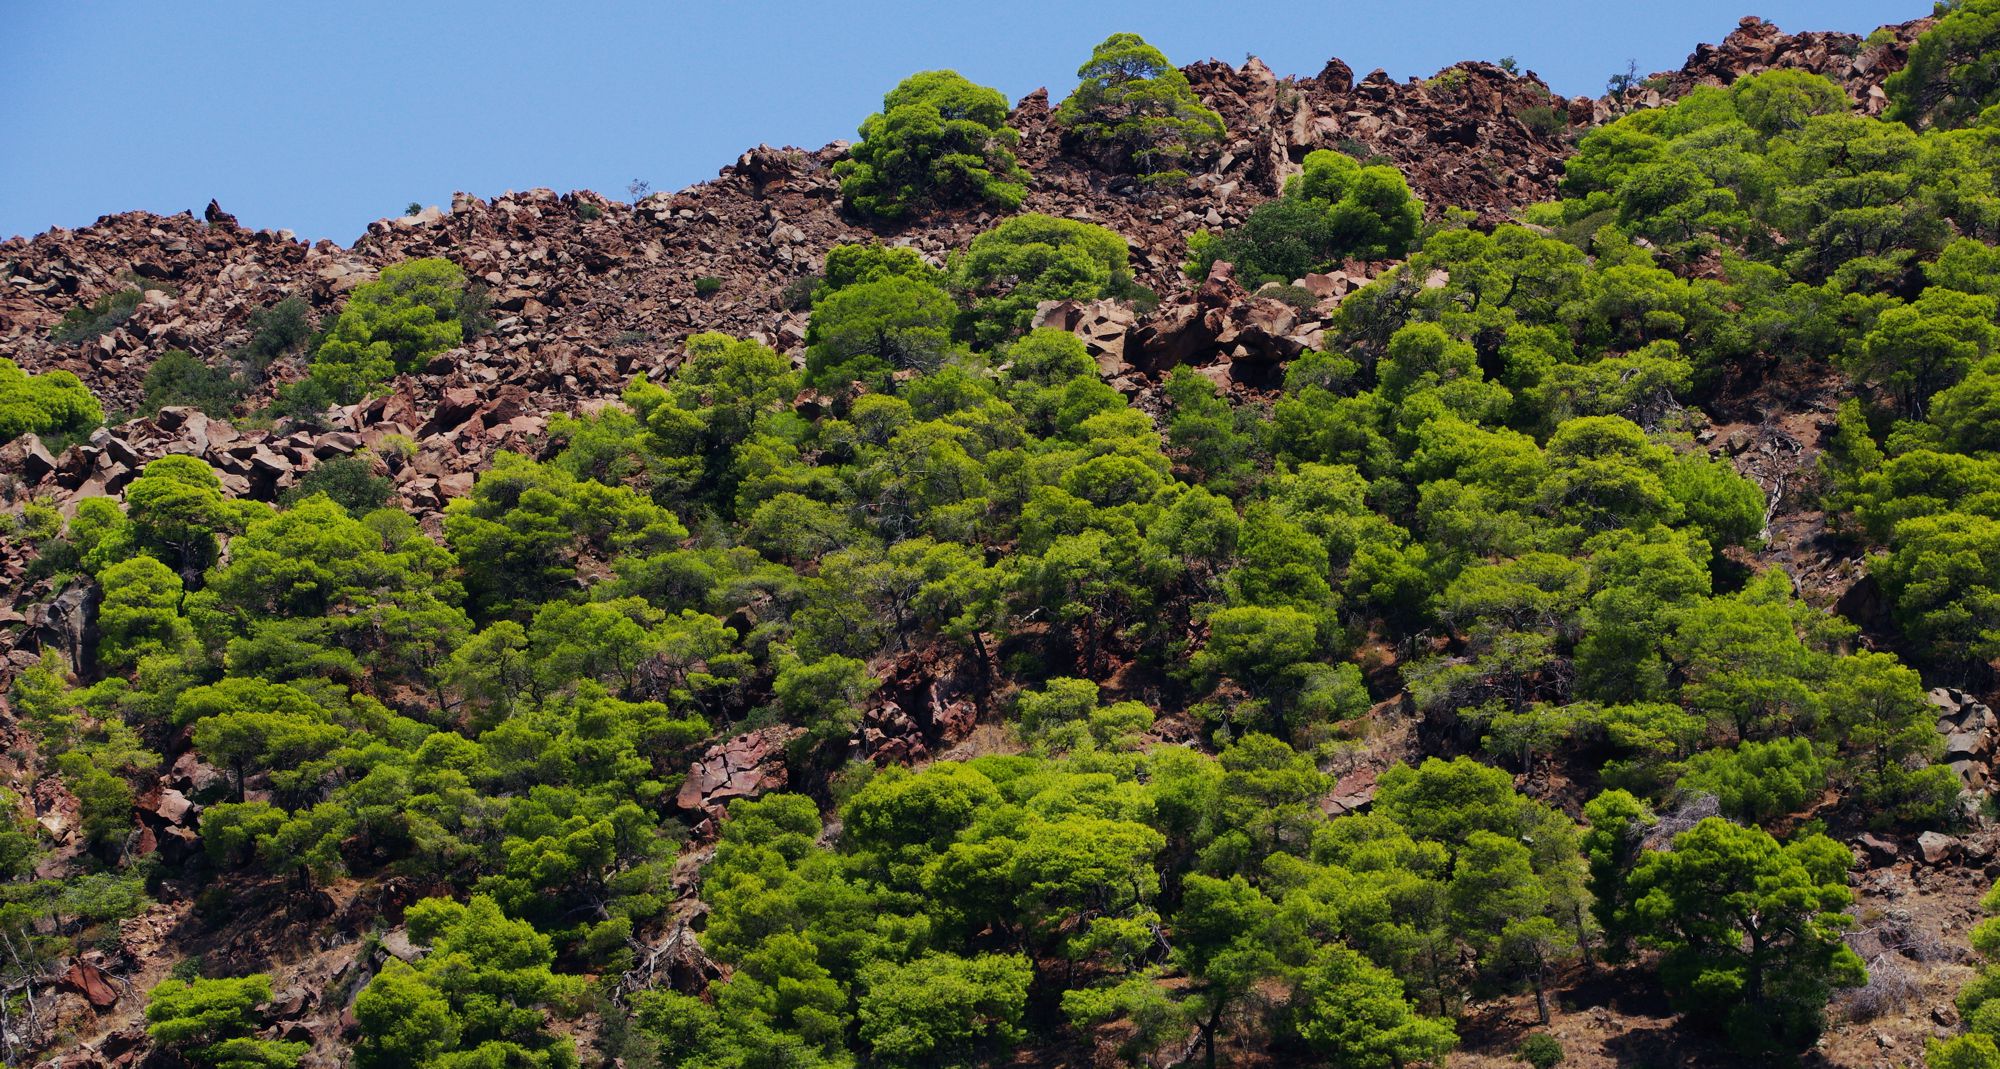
{"points": [[323, 116]]}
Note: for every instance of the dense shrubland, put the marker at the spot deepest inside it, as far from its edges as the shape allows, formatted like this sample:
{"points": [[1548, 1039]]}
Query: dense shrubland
{"points": [[1483, 494]]}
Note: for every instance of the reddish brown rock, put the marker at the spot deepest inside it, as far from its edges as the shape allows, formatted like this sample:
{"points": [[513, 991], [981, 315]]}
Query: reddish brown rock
{"points": [[746, 766], [90, 982]]}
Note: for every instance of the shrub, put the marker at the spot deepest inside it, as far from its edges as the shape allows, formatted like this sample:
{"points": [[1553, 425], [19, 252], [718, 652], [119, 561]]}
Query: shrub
{"points": [[1541, 1050], [1298, 297], [1033, 258], [1544, 120], [212, 1023], [1139, 108], [589, 212], [707, 286], [1950, 77], [797, 296], [1362, 154], [400, 446], [350, 481], [1338, 208], [179, 378], [938, 140], [1619, 83], [1448, 81], [416, 310], [878, 309], [275, 331], [304, 402], [54, 402], [101, 316]]}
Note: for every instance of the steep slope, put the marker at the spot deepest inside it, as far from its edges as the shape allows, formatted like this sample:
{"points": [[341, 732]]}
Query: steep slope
{"points": [[589, 292]]}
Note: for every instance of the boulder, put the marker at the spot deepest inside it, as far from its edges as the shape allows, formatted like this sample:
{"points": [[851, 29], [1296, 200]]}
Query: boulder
{"points": [[746, 766], [1877, 850], [455, 406], [1937, 848], [90, 982], [167, 804]]}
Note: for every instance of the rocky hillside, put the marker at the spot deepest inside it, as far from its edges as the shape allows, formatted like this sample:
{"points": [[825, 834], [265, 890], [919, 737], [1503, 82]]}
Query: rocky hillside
{"points": [[587, 293]]}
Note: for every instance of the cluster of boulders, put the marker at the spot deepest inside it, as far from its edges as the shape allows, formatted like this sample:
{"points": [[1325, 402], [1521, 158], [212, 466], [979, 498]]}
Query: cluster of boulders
{"points": [[746, 766], [1757, 46], [1221, 330], [1234, 335], [1969, 728], [1930, 849], [578, 277]]}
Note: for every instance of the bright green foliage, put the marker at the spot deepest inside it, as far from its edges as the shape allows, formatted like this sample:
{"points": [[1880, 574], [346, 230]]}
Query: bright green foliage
{"points": [[51, 403], [1139, 110], [1370, 213], [880, 323], [1751, 930], [1978, 1008], [1950, 79], [417, 309], [1967, 414], [1031, 258], [210, 1023], [140, 616], [942, 1009], [1356, 1017], [1856, 199], [1943, 577], [41, 698], [1760, 782], [527, 527], [676, 442], [1877, 709], [350, 481], [1491, 466], [939, 140], [1065, 716], [248, 725], [1920, 348], [176, 509], [480, 997], [1618, 823], [1205, 432], [1781, 101], [1962, 1052], [314, 591], [1335, 210]]}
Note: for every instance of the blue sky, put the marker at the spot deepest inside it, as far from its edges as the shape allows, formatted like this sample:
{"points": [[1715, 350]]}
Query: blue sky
{"points": [[320, 117]]}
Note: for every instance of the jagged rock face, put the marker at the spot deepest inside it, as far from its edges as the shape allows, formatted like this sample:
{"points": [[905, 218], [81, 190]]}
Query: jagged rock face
{"points": [[1968, 727], [1757, 46], [743, 767]]}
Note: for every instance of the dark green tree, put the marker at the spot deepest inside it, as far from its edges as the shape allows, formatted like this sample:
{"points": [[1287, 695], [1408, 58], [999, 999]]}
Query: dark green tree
{"points": [[1138, 110], [1751, 930], [1951, 77], [939, 140], [211, 1023]]}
